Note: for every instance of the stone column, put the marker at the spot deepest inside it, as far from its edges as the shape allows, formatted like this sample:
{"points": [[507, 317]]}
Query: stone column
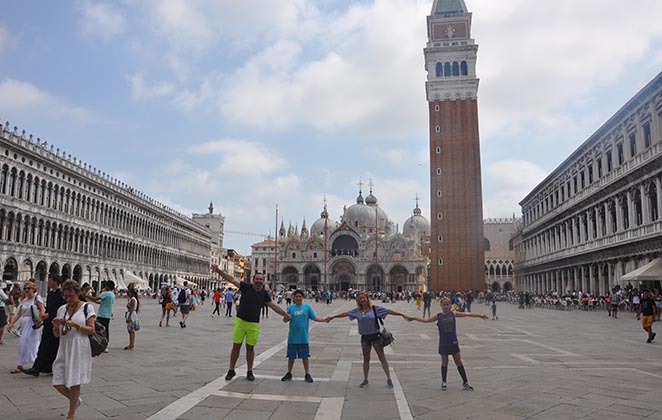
{"points": [[619, 213], [631, 209], [645, 213], [658, 191], [607, 219]]}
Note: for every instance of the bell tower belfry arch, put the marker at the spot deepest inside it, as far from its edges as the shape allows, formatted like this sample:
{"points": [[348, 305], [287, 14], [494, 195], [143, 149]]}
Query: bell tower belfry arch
{"points": [[456, 241]]}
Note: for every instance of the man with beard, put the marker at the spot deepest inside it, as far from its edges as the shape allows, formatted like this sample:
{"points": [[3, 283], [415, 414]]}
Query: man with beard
{"points": [[247, 322], [49, 343]]}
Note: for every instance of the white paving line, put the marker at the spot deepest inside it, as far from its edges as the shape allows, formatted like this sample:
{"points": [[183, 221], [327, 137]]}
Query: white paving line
{"points": [[267, 397], [293, 379], [424, 337], [182, 405], [400, 399], [330, 409], [342, 371]]}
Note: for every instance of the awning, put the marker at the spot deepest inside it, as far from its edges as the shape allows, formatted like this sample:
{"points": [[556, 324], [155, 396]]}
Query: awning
{"points": [[120, 284], [138, 283], [180, 283], [649, 272]]}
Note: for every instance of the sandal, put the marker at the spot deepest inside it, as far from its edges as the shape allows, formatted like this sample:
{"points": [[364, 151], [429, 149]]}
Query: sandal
{"points": [[128, 348], [17, 370]]}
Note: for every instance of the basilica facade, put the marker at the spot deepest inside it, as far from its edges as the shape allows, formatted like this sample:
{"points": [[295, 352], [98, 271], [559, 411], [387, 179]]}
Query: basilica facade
{"points": [[363, 250], [60, 215]]}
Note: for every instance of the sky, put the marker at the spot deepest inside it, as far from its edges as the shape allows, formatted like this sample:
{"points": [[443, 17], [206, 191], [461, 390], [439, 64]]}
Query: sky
{"points": [[251, 104]]}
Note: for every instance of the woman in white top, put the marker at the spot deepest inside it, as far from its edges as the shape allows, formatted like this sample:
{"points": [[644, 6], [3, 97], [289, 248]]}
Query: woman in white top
{"points": [[73, 365], [28, 344]]}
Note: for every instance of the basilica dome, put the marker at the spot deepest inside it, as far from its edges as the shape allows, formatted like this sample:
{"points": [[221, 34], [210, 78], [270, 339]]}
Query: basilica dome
{"points": [[416, 224], [362, 214], [317, 229]]}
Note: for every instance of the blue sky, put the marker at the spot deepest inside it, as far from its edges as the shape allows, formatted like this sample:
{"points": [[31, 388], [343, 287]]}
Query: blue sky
{"points": [[250, 103]]}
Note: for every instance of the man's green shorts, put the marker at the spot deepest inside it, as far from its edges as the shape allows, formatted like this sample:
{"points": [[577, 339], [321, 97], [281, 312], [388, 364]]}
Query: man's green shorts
{"points": [[244, 329]]}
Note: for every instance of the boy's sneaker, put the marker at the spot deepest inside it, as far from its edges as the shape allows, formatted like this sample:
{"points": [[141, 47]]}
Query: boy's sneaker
{"points": [[649, 340], [389, 383], [287, 377], [444, 386], [363, 384], [467, 386], [653, 336], [231, 374], [308, 378], [249, 375]]}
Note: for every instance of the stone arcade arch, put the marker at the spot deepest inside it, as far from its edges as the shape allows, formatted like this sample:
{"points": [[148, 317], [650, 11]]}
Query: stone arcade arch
{"points": [[311, 277], [66, 272], [290, 277], [10, 272], [375, 278], [398, 278], [343, 275], [78, 274]]}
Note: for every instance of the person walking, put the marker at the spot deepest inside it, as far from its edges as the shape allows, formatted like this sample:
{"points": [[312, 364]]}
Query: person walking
{"points": [[646, 311], [298, 339], [73, 324], [448, 343], [217, 303], [247, 322], [166, 305], [184, 303], [105, 300], [49, 342], [131, 316], [229, 300], [30, 311], [13, 306], [4, 297], [494, 310], [427, 303], [366, 315]]}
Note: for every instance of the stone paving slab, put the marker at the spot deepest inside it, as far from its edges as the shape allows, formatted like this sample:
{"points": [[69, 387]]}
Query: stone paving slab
{"points": [[537, 364]]}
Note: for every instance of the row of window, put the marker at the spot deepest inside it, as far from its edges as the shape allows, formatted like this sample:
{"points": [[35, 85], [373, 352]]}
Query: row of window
{"points": [[19, 228], [593, 170], [621, 213], [452, 69], [33, 189]]}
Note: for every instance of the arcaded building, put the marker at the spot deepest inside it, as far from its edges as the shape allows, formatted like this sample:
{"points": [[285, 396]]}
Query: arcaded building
{"points": [[456, 260], [500, 253], [61, 215], [597, 215]]}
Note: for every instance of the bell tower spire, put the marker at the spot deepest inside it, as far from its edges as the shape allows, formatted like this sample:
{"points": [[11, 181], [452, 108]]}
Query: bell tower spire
{"points": [[455, 176]]}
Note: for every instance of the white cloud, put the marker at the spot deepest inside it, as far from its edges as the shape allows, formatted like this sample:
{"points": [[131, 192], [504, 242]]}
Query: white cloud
{"points": [[242, 158], [101, 20], [28, 98], [512, 181], [368, 79], [530, 74], [140, 91]]}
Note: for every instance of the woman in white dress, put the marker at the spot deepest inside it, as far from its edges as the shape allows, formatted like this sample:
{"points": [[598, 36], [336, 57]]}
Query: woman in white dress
{"points": [[28, 344], [73, 364]]}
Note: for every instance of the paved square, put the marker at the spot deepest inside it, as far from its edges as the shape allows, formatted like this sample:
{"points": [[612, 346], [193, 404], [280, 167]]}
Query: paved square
{"points": [[537, 363]]}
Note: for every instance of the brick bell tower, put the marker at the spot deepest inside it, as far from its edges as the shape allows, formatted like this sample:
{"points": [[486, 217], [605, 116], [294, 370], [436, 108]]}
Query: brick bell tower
{"points": [[457, 243]]}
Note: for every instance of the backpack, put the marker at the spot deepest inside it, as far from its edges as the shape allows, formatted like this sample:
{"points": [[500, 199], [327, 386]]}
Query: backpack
{"points": [[181, 298], [98, 340]]}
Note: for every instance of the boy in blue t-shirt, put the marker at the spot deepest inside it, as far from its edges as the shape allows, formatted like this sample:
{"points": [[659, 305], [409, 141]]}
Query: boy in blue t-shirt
{"points": [[297, 339]]}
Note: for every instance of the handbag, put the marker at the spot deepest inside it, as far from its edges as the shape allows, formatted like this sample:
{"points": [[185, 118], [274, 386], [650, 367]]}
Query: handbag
{"points": [[385, 336], [98, 340], [37, 322]]}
